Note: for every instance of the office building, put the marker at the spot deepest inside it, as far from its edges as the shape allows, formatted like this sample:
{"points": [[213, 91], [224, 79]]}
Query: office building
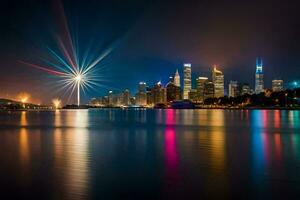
{"points": [[173, 92], [209, 89], [193, 96], [245, 89], [158, 94], [218, 81], [233, 90], [200, 84], [259, 76], [277, 85], [141, 95], [177, 79], [187, 81], [126, 98]]}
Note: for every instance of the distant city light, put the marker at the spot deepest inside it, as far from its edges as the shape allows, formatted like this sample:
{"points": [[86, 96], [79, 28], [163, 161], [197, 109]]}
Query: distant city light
{"points": [[187, 65], [57, 103], [23, 97], [24, 100], [295, 83]]}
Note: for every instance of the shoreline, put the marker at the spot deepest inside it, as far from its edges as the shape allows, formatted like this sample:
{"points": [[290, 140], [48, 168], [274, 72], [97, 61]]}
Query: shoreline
{"points": [[143, 108]]}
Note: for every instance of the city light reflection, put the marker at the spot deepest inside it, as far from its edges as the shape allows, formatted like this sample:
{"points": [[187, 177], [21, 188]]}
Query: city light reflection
{"points": [[171, 154], [217, 138], [71, 153], [259, 150]]}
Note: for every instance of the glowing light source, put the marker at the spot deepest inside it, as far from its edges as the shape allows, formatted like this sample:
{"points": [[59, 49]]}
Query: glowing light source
{"points": [[24, 100], [78, 78], [23, 97], [295, 83], [57, 103]]}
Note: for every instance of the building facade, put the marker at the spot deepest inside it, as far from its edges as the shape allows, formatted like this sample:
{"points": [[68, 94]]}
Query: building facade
{"points": [[233, 89], [277, 85], [259, 76], [218, 81], [187, 82], [142, 87], [193, 96], [177, 79], [200, 85], [126, 98], [158, 94], [245, 89], [173, 92], [209, 89]]}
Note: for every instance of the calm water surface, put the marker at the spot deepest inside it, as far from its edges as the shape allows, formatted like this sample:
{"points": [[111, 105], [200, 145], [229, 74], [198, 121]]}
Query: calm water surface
{"points": [[150, 154]]}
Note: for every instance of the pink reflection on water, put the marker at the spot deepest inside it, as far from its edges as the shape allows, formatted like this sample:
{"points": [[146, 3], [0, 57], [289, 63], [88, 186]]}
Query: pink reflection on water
{"points": [[265, 118], [170, 149], [171, 155]]}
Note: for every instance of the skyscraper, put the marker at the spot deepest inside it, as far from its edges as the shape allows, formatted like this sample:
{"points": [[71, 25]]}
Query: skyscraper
{"points": [[200, 84], [233, 89], [277, 85], [259, 76], [126, 98], [187, 83], [218, 80], [142, 87], [245, 89], [141, 95], [173, 92], [209, 89], [159, 94], [177, 79]]}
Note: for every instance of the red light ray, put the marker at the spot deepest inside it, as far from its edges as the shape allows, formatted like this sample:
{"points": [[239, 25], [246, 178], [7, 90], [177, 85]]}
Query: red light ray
{"points": [[50, 71]]}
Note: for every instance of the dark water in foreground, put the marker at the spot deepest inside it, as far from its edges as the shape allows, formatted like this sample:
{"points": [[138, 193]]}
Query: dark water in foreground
{"points": [[150, 154]]}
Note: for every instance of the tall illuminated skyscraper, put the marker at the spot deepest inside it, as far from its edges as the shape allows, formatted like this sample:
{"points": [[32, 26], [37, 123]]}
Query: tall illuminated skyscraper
{"points": [[200, 85], [187, 81], [218, 80], [142, 86], [177, 79], [259, 76], [141, 95], [233, 89]]}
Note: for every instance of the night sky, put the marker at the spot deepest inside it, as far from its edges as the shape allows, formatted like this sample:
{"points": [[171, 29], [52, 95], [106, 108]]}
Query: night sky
{"points": [[151, 39]]}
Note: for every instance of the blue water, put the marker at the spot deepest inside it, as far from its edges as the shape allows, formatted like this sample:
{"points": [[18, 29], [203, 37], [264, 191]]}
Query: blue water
{"points": [[150, 154]]}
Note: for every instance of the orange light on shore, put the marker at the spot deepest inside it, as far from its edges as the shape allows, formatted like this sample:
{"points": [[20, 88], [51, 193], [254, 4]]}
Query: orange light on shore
{"points": [[56, 103], [24, 100], [23, 97]]}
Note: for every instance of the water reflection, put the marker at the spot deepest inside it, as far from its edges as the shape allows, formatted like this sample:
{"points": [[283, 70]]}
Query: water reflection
{"points": [[202, 153], [170, 147], [258, 120], [171, 154], [217, 136], [24, 143], [72, 155]]}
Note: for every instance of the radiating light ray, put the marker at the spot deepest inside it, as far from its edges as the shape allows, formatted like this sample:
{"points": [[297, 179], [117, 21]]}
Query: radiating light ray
{"points": [[66, 53], [54, 72], [85, 55], [57, 66], [100, 58], [60, 59]]}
